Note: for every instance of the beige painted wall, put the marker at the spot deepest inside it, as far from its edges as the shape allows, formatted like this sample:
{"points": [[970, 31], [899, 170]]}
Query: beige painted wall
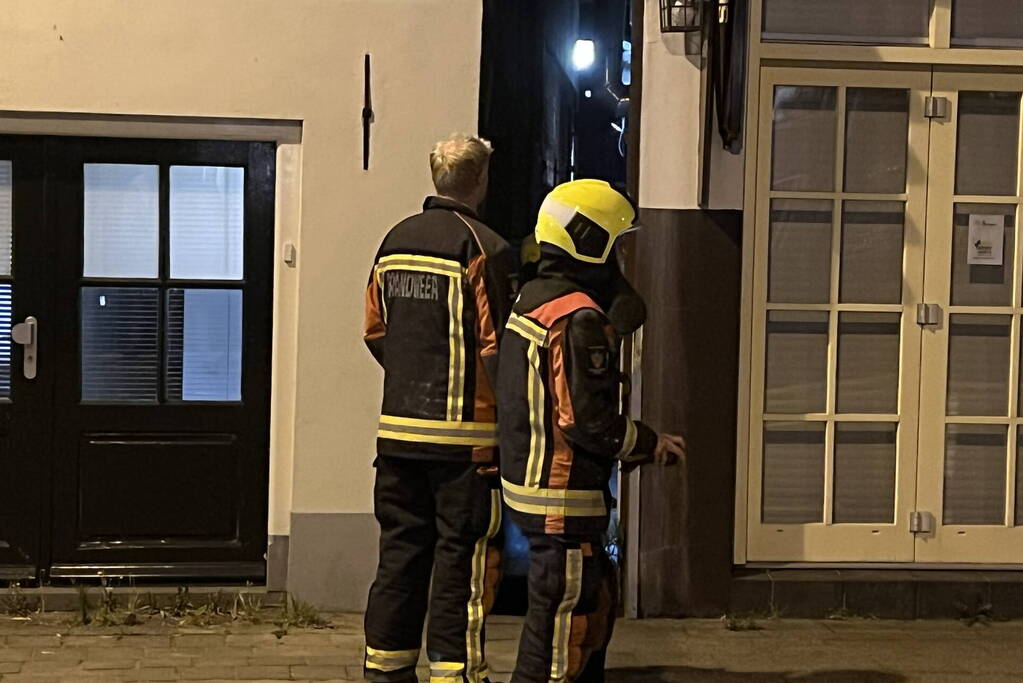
{"points": [[672, 127], [268, 59]]}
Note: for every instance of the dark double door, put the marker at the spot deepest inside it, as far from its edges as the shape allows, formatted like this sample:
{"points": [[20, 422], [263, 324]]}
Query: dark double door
{"points": [[134, 394]]}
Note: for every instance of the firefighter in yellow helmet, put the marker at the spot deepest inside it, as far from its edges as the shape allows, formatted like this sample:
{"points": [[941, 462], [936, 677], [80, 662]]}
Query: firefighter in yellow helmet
{"points": [[562, 428]]}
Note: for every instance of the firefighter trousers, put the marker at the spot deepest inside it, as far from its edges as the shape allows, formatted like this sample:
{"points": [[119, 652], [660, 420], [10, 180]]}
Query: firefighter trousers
{"points": [[573, 600], [440, 520]]}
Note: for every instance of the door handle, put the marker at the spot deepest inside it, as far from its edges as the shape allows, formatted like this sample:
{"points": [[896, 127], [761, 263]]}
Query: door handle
{"points": [[27, 334]]}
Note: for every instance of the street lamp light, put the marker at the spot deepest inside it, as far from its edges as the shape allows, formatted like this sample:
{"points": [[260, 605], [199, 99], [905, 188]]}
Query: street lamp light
{"points": [[681, 16]]}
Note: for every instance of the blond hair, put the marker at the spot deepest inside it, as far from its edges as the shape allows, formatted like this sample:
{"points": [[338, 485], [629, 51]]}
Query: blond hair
{"points": [[457, 164]]}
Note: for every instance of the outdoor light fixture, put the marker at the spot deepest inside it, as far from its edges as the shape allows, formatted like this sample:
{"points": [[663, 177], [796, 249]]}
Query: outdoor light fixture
{"points": [[681, 16], [584, 54]]}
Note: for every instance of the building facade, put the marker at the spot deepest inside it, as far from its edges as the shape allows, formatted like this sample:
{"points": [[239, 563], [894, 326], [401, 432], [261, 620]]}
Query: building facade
{"points": [[835, 312], [869, 292]]}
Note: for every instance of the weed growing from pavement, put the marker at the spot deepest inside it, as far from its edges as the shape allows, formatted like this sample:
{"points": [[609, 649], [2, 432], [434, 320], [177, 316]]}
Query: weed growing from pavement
{"points": [[845, 614], [17, 604], [113, 609], [298, 614], [739, 623], [975, 612]]}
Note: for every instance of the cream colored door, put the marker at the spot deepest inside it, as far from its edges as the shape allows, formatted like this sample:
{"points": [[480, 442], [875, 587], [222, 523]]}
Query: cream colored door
{"points": [[969, 486], [839, 248]]}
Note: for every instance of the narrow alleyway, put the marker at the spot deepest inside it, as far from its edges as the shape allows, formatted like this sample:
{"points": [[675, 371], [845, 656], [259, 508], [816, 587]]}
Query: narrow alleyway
{"points": [[50, 649]]}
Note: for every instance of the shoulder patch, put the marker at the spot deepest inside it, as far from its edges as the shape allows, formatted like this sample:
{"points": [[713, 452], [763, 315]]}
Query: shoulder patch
{"points": [[600, 360]]}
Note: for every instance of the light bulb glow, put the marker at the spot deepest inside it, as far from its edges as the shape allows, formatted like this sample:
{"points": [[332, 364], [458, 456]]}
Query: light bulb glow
{"points": [[584, 54]]}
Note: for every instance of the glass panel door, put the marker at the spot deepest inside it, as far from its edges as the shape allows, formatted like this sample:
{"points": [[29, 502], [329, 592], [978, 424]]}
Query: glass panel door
{"points": [[841, 204], [25, 394], [970, 387]]}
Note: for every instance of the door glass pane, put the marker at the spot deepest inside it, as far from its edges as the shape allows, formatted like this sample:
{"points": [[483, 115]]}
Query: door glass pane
{"points": [[975, 474], [986, 23], [978, 364], [864, 472], [876, 140], [120, 345], [872, 235], [988, 143], [797, 362], [982, 283], [5, 341], [804, 138], [122, 220], [868, 362], [6, 214], [206, 222], [204, 345], [873, 22], [800, 260], [793, 473]]}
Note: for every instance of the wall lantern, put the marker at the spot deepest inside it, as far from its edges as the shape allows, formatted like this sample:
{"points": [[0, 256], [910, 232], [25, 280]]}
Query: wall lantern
{"points": [[681, 16]]}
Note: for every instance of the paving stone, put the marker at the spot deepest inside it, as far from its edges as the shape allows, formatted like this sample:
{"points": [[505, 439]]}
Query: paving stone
{"points": [[42, 667], [33, 640], [54, 653], [15, 654], [337, 660], [106, 652], [308, 639], [319, 673], [203, 640], [265, 672], [206, 673], [10, 667], [109, 664], [165, 674]]}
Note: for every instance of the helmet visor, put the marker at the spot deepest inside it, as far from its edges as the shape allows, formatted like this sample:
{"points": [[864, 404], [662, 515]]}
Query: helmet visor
{"points": [[589, 238]]}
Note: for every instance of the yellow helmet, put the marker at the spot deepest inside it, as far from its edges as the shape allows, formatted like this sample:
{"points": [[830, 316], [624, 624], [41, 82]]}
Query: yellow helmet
{"points": [[584, 218]]}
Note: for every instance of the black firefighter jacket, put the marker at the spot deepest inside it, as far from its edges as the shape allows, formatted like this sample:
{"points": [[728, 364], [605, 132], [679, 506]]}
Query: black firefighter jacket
{"points": [[438, 296], [561, 423]]}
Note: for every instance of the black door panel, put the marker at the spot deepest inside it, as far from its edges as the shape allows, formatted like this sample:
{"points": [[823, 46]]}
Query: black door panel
{"points": [[25, 405], [143, 444]]}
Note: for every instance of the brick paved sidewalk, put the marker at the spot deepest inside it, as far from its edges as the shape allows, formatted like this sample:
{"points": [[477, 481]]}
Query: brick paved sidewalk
{"points": [[655, 651]]}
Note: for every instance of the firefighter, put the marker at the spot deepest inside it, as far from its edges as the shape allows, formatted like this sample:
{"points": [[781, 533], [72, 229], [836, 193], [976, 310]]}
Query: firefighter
{"points": [[562, 428], [437, 300]]}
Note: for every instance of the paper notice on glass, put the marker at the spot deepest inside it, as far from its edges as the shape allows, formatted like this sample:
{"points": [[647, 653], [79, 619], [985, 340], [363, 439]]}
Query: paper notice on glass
{"points": [[987, 238]]}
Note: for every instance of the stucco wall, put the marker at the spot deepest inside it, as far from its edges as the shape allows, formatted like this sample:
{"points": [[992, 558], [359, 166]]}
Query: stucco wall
{"points": [[672, 127], [302, 60]]}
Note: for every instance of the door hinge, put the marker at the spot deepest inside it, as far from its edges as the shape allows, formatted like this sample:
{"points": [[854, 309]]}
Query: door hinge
{"points": [[936, 107], [921, 522], [928, 314]]}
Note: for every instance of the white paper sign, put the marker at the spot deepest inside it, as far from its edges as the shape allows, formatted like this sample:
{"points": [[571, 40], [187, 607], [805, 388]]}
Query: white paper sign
{"points": [[987, 238]]}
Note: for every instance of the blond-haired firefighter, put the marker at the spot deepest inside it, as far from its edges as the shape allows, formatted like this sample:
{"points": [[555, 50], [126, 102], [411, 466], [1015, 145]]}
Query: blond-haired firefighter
{"points": [[437, 300], [562, 428]]}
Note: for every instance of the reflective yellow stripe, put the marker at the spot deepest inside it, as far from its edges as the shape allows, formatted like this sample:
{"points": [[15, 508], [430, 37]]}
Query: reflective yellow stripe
{"points": [[438, 431], [390, 660], [629, 442], [538, 501], [563, 617], [476, 669], [456, 351], [528, 329], [555, 495], [445, 672], [446, 440], [424, 264], [444, 425], [537, 432]]}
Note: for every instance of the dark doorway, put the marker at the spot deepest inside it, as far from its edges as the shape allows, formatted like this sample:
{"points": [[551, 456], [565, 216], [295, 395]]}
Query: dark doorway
{"points": [[554, 101], [140, 443]]}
